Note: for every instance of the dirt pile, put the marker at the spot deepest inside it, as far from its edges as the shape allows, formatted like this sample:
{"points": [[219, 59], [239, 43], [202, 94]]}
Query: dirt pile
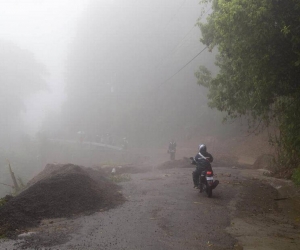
{"points": [[264, 161], [183, 163], [58, 191], [124, 169]]}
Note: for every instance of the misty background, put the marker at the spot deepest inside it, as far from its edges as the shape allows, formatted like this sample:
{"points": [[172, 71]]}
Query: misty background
{"points": [[86, 70]]}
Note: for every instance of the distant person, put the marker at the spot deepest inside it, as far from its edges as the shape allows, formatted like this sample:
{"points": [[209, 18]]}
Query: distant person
{"points": [[203, 160], [172, 149]]}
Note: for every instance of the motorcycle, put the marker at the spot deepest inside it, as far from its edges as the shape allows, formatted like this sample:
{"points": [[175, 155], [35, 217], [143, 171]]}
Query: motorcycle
{"points": [[206, 180], [172, 154]]}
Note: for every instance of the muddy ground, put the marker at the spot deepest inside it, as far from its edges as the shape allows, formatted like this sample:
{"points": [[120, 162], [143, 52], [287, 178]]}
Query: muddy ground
{"points": [[247, 211]]}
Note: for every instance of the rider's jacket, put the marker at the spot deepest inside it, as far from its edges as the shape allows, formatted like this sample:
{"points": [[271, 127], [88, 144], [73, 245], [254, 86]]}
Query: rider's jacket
{"points": [[203, 160], [172, 146], [205, 155]]}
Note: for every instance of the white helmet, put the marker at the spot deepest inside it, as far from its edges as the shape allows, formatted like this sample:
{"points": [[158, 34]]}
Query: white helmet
{"points": [[202, 148]]}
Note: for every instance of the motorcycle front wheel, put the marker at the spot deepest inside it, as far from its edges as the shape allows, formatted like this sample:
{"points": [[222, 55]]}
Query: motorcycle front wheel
{"points": [[172, 156]]}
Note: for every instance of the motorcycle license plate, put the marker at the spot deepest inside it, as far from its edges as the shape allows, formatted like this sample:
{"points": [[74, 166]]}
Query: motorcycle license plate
{"points": [[210, 178]]}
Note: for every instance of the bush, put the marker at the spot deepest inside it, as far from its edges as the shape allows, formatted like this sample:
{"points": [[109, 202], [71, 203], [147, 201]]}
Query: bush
{"points": [[296, 176]]}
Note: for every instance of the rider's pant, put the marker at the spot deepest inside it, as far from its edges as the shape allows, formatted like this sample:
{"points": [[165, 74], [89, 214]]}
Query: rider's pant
{"points": [[196, 175]]}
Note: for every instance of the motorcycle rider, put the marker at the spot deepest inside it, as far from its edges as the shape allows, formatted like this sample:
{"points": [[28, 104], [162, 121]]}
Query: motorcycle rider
{"points": [[203, 160], [172, 147]]}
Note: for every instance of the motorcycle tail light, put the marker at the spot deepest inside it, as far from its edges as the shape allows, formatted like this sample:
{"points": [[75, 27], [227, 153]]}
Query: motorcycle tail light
{"points": [[208, 172]]}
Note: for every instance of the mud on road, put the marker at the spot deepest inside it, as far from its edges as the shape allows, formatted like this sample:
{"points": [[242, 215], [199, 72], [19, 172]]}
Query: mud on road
{"points": [[163, 211]]}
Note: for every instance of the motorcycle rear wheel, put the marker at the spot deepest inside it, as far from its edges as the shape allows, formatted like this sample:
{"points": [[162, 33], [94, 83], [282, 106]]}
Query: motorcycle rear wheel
{"points": [[209, 192]]}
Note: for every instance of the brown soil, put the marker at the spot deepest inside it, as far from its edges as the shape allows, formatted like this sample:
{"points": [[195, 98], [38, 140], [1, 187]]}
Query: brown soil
{"points": [[265, 213], [264, 161], [58, 191], [123, 169], [284, 173], [183, 163], [244, 149], [257, 198]]}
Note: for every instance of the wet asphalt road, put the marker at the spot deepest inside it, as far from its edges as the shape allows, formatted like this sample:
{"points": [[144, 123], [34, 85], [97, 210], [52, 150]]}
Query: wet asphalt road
{"points": [[162, 211]]}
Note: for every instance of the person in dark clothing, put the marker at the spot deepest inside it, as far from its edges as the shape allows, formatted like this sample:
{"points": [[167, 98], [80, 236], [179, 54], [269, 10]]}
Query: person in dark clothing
{"points": [[172, 149], [203, 160], [172, 146]]}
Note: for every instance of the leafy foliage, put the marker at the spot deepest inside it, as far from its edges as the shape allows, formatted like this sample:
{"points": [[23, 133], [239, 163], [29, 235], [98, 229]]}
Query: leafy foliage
{"points": [[296, 176], [2, 201], [120, 178], [259, 61]]}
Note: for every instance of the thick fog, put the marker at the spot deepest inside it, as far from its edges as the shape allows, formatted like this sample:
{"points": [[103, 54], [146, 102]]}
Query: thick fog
{"points": [[45, 29], [99, 71], [123, 73]]}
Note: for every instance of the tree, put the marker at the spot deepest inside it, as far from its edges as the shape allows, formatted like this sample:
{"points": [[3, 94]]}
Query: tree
{"points": [[259, 65], [21, 75]]}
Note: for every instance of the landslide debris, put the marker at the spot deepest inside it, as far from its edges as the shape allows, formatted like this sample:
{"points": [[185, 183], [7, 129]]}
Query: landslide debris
{"points": [[58, 191], [124, 169], [182, 163]]}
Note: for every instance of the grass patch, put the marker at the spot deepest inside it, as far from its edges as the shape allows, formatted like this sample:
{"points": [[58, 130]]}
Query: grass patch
{"points": [[120, 177], [296, 176], [2, 202]]}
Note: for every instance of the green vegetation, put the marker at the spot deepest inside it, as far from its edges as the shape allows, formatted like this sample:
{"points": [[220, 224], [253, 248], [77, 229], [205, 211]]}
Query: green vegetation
{"points": [[2, 201], [120, 178], [259, 67], [296, 176]]}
